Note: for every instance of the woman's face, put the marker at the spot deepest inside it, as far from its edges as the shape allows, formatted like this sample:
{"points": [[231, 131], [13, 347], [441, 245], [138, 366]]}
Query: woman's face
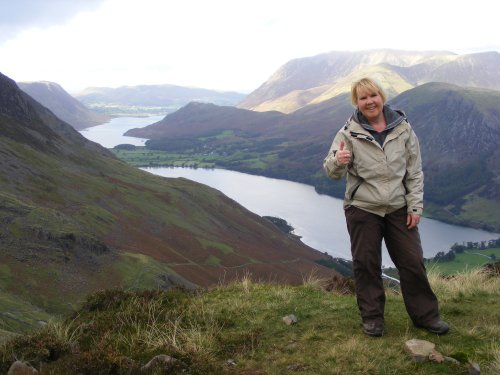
{"points": [[371, 105]]}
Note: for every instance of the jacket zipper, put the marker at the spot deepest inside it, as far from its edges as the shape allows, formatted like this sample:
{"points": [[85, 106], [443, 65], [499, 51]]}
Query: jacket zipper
{"points": [[362, 136]]}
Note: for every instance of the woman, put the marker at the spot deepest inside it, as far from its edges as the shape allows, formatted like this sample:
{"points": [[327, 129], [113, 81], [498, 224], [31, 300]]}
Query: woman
{"points": [[379, 152]]}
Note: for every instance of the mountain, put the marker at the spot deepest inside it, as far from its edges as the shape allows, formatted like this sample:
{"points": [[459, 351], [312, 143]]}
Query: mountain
{"points": [[64, 106], [152, 99], [474, 70], [458, 130], [318, 78], [197, 119], [75, 219]]}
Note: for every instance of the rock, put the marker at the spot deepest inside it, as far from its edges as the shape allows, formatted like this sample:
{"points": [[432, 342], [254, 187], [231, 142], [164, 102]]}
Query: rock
{"points": [[21, 368], [474, 368], [161, 361], [419, 350], [290, 319], [296, 367], [436, 356]]}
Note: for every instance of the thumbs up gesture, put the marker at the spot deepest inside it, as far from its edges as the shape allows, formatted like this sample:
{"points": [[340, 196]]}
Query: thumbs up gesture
{"points": [[343, 155]]}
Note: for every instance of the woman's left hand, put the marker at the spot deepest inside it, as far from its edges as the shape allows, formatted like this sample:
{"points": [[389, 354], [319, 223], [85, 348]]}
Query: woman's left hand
{"points": [[412, 220]]}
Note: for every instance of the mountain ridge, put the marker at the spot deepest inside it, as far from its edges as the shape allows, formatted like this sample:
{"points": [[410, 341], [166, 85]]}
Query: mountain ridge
{"points": [[331, 73], [64, 106], [151, 99]]}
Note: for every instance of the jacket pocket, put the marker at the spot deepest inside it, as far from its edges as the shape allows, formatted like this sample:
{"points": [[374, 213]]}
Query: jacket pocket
{"points": [[352, 191]]}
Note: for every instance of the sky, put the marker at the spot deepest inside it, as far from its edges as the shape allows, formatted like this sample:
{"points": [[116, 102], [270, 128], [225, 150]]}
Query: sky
{"points": [[227, 45]]}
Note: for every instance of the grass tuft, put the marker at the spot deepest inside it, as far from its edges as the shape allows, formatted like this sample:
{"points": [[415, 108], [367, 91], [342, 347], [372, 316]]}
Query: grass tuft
{"points": [[463, 284], [313, 281]]}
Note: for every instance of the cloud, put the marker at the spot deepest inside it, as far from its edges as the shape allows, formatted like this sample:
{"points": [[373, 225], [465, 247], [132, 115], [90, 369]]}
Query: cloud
{"points": [[18, 15], [219, 44]]}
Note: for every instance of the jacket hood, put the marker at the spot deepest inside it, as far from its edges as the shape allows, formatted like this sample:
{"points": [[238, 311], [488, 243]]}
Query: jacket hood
{"points": [[393, 117]]}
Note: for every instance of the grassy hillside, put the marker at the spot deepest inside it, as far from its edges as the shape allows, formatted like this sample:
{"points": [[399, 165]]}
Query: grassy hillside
{"points": [[75, 219], [238, 329]]}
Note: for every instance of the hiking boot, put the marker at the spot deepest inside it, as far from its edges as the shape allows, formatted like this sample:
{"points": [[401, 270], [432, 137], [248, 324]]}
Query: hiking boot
{"points": [[439, 327], [373, 329]]}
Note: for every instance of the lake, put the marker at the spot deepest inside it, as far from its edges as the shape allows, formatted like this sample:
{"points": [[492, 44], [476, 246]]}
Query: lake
{"points": [[110, 134], [318, 219]]}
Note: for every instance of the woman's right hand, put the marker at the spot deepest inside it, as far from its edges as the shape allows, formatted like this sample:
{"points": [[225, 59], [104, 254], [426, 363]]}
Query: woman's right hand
{"points": [[343, 156]]}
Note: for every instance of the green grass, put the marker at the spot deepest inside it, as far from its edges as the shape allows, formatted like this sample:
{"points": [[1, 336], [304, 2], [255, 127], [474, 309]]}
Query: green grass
{"points": [[225, 134], [476, 209], [226, 249], [212, 260], [139, 271], [248, 160], [468, 260], [118, 332], [18, 315], [142, 157]]}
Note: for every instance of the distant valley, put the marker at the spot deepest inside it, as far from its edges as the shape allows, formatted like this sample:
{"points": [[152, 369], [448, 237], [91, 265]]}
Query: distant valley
{"points": [[147, 100]]}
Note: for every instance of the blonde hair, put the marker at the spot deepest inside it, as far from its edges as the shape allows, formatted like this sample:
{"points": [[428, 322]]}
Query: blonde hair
{"points": [[365, 84]]}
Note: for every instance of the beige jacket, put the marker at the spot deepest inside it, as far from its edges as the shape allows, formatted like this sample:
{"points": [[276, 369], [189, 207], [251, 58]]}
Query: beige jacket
{"points": [[379, 179]]}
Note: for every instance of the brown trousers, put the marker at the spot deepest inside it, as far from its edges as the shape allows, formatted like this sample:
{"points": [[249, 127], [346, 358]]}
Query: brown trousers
{"points": [[366, 231]]}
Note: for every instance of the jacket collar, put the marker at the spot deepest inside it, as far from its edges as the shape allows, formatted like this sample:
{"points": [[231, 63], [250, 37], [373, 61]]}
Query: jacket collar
{"points": [[356, 127], [393, 118]]}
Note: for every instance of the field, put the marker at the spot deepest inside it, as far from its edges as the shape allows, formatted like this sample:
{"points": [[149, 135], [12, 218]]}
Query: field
{"points": [[247, 160], [143, 157], [469, 259]]}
